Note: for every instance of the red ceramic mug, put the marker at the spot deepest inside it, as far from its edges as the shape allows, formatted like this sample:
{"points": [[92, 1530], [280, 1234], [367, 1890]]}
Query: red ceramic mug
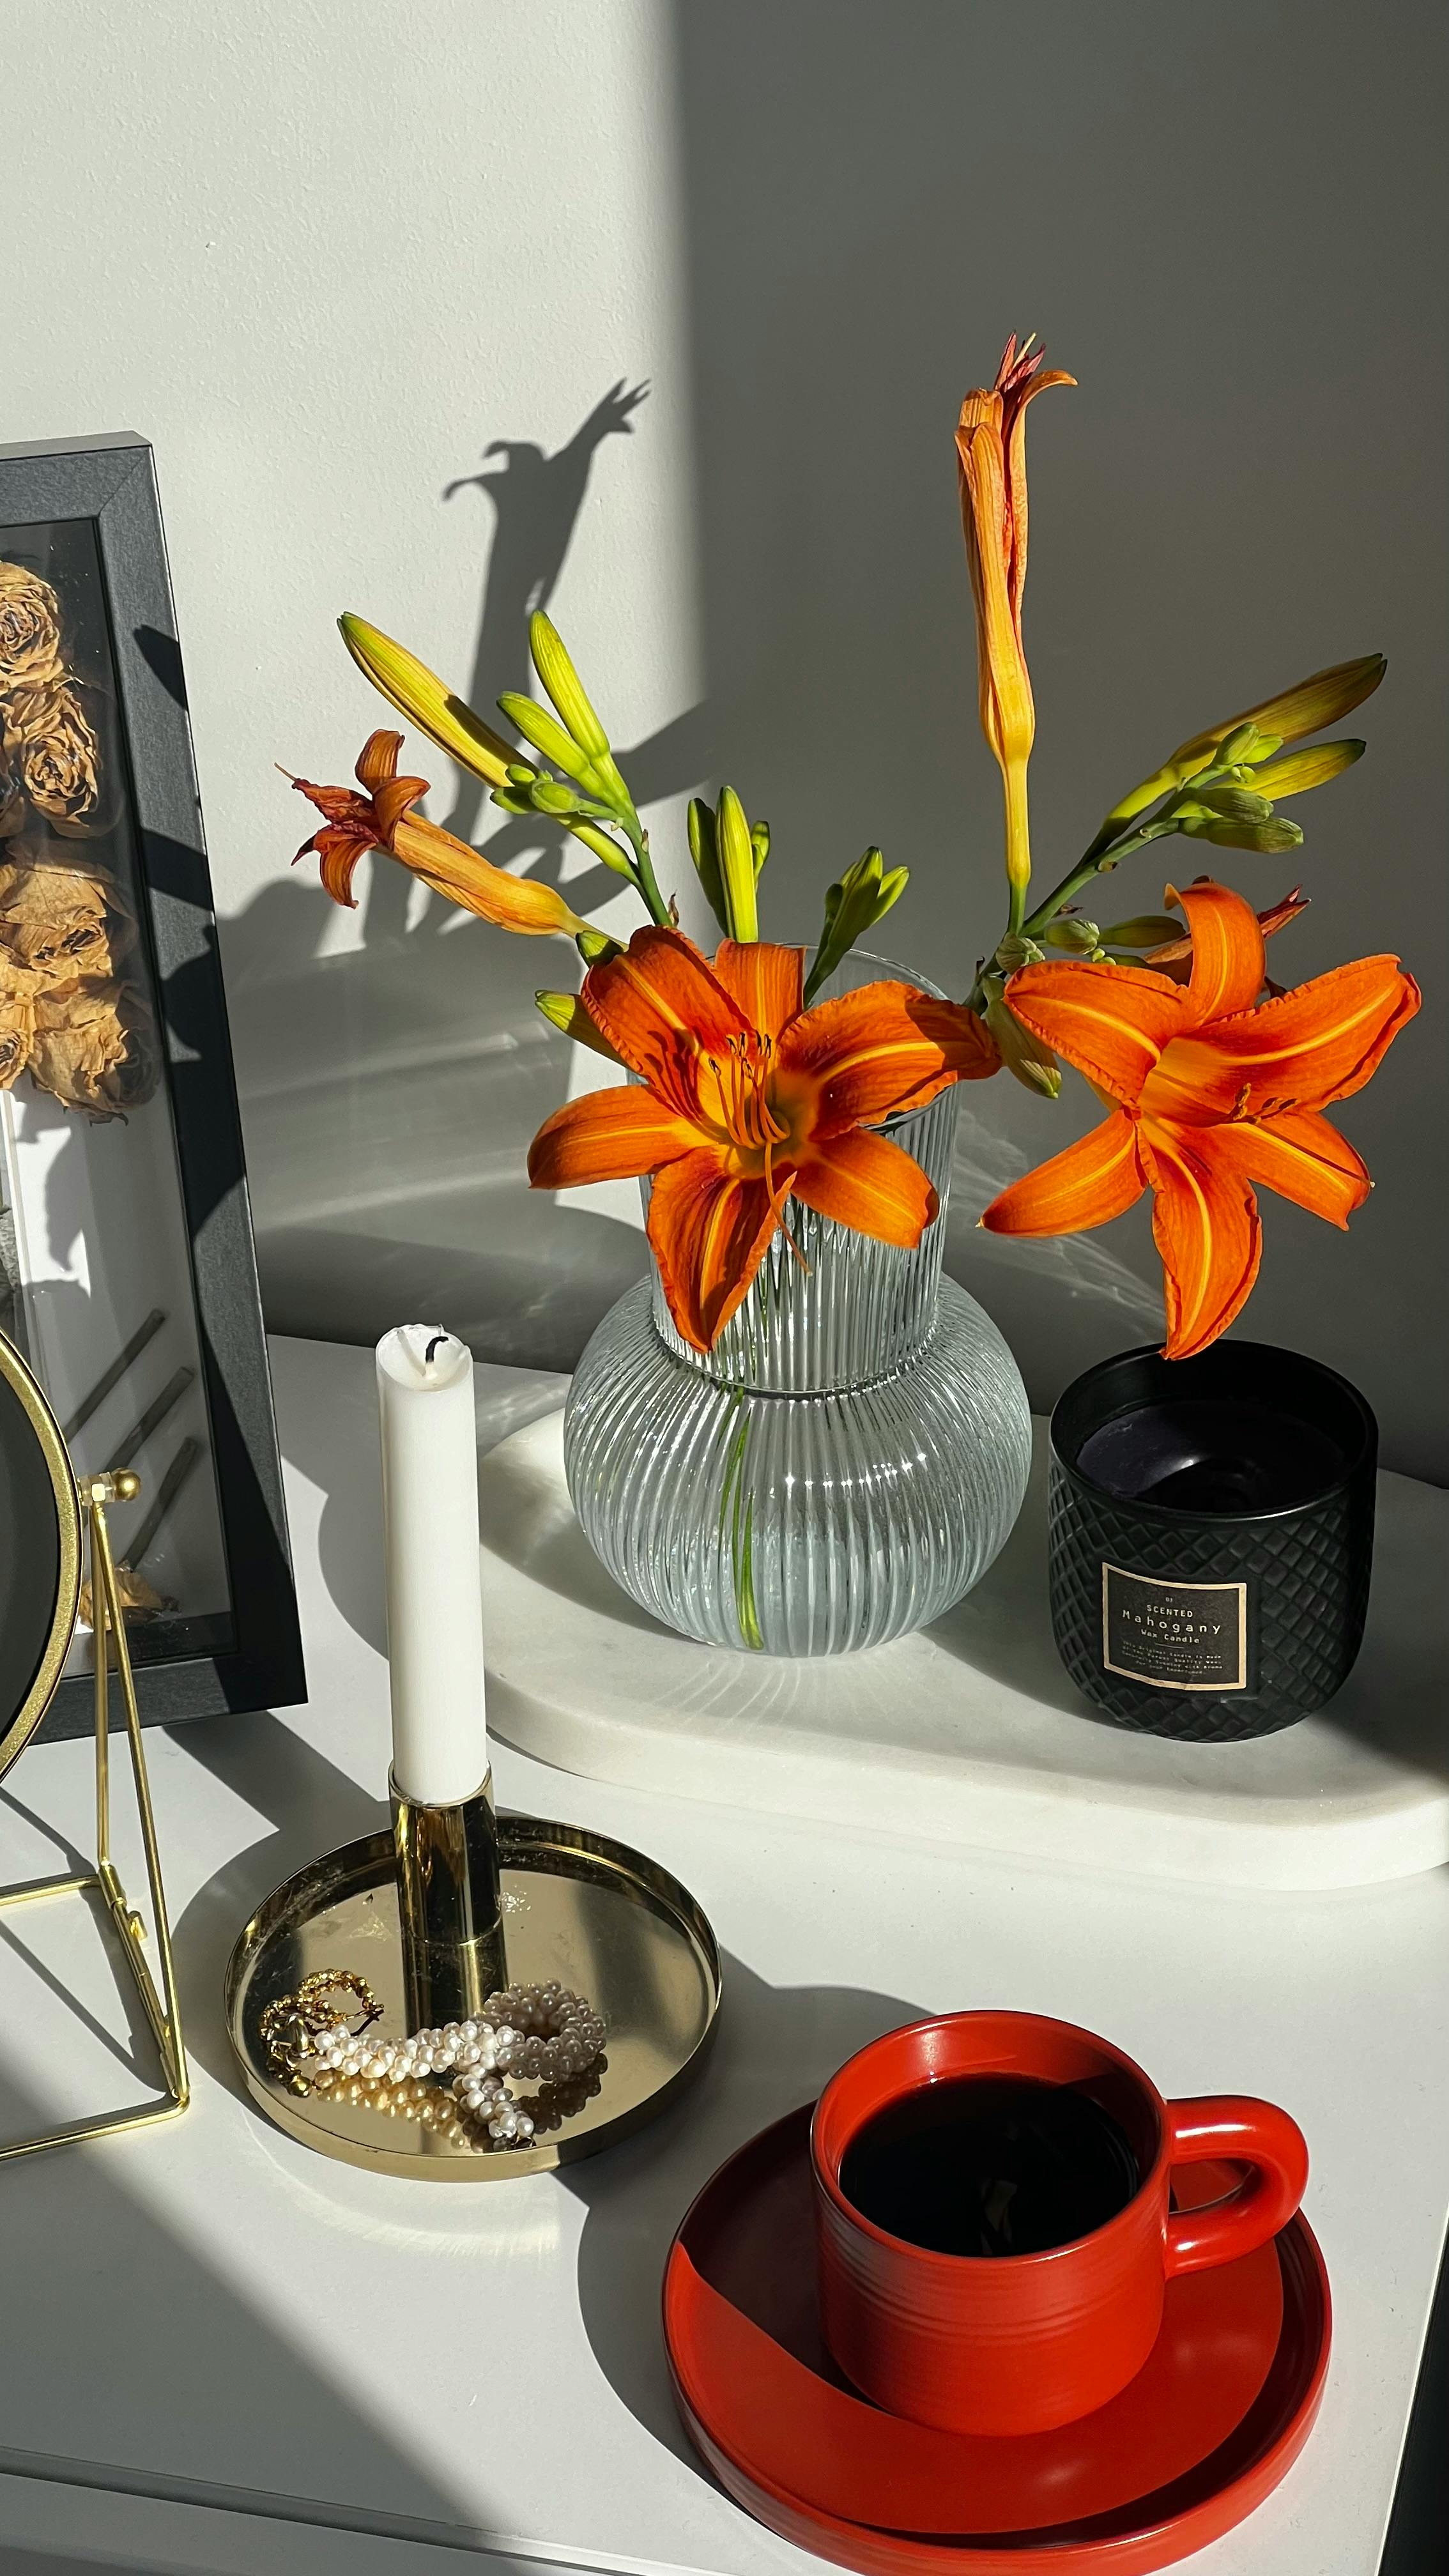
{"points": [[1020, 2343]]}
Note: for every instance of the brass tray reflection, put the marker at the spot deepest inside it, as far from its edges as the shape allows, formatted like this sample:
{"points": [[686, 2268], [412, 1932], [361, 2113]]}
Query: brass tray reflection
{"points": [[577, 1906]]}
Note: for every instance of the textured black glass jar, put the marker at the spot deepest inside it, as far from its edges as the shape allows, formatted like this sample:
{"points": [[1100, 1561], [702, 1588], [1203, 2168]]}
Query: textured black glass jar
{"points": [[1211, 1538]]}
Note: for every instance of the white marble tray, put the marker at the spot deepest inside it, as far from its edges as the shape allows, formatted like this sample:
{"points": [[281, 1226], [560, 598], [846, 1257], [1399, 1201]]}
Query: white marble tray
{"points": [[970, 1732]]}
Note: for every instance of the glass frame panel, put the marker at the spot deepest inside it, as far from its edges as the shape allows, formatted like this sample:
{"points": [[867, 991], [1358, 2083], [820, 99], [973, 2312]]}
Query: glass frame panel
{"points": [[252, 1657]]}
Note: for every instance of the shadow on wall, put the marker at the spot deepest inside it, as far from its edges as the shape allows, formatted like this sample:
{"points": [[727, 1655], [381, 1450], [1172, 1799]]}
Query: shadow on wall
{"points": [[863, 224], [860, 231], [390, 1091]]}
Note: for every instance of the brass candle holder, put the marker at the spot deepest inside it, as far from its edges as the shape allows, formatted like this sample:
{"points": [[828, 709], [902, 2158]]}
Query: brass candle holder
{"points": [[450, 1907], [431, 1917]]}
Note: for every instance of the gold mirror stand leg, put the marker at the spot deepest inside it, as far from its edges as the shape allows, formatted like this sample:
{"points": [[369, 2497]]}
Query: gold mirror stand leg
{"points": [[162, 2008]]}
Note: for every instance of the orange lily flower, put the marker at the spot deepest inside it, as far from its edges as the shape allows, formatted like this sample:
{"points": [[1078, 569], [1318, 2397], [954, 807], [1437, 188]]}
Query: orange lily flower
{"points": [[1174, 957], [743, 1099], [1211, 1094], [381, 819], [991, 462]]}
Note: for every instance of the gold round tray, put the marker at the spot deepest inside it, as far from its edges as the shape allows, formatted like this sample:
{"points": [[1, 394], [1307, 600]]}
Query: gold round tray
{"points": [[577, 1907]]}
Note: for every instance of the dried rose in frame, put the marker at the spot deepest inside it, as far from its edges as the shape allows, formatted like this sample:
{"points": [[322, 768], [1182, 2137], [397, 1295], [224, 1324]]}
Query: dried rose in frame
{"points": [[12, 803], [17, 1019], [56, 754], [30, 653], [95, 1047], [54, 916], [139, 1599]]}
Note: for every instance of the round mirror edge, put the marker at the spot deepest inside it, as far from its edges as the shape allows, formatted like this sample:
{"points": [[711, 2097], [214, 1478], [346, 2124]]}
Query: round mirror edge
{"points": [[16, 1374]]}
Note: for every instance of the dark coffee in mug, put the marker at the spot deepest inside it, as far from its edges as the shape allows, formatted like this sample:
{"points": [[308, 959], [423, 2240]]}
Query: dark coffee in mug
{"points": [[990, 2164]]}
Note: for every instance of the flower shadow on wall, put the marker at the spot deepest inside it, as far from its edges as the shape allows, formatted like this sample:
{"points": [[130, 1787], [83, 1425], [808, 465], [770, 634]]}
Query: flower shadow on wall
{"points": [[389, 1092]]}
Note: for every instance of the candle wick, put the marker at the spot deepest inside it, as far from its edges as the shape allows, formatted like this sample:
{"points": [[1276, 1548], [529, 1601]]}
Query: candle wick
{"points": [[435, 1344]]}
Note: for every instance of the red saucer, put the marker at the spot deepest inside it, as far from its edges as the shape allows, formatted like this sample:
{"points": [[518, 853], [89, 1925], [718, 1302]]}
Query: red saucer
{"points": [[1210, 2425]]}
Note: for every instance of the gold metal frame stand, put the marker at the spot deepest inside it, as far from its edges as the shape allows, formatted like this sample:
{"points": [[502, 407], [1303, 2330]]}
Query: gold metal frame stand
{"points": [[162, 2007]]}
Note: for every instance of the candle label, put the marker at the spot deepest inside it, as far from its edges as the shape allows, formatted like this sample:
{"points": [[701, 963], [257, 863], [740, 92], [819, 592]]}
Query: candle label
{"points": [[1178, 1636]]}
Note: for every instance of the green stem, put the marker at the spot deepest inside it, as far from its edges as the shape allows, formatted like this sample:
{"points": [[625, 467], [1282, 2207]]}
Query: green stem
{"points": [[1018, 844], [649, 888], [1072, 883], [1104, 852], [1094, 861], [644, 876]]}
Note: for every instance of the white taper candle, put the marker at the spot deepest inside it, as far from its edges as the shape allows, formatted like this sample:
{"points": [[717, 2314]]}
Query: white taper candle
{"points": [[434, 1601]]}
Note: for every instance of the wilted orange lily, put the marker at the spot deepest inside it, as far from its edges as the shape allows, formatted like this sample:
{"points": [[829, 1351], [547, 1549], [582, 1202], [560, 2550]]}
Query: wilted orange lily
{"points": [[1212, 1096], [745, 1099], [991, 460], [381, 819]]}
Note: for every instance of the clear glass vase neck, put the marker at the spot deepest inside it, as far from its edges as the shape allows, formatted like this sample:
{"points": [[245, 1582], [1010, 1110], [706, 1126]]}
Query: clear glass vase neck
{"points": [[848, 1310]]}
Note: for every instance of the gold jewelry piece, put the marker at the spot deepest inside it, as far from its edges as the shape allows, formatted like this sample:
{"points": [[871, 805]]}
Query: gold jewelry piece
{"points": [[539, 2031], [292, 2024]]}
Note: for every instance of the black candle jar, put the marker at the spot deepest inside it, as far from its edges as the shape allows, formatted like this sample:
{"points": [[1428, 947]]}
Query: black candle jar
{"points": [[1211, 1538]]}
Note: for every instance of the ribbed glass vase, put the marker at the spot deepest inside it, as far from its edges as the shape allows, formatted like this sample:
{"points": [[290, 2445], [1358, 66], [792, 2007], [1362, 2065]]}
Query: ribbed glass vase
{"points": [[841, 1467]]}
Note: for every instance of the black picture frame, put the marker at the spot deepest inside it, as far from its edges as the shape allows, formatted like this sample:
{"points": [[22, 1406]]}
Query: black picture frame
{"points": [[110, 481]]}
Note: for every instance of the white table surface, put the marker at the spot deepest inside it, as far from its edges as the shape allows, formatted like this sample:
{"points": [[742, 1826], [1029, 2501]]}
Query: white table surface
{"points": [[224, 2353]]}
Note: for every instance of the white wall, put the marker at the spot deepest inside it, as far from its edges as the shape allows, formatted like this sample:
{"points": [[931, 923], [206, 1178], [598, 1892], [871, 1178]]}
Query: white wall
{"points": [[324, 251], [321, 253]]}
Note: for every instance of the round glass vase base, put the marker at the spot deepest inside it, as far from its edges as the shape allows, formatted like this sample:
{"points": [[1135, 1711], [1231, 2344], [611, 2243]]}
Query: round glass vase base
{"points": [[797, 1524]]}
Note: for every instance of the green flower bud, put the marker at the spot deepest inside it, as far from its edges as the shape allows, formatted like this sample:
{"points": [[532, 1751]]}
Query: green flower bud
{"points": [[1033, 1064], [550, 796], [595, 945], [1144, 930], [1239, 804], [1276, 834], [736, 866], [538, 727], [1069, 930], [1016, 951], [604, 847], [566, 1013], [704, 850], [853, 905], [1304, 769], [564, 686]]}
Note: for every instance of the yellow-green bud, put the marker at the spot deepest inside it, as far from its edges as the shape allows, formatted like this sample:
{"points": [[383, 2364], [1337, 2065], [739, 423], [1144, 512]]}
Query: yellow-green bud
{"points": [[1239, 804], [1276, 834], [595, 945], [1144, 930], [736, 866], [566, 1013], [1016, 951], [1033, 1064], [564, 686]]}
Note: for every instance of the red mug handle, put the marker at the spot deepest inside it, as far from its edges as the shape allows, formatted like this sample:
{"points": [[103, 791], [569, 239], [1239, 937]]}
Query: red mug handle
{"points": [[1236, 2128]]}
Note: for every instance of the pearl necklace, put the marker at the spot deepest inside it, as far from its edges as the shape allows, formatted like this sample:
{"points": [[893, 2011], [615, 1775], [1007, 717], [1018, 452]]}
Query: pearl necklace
{"points": [[542, 2033]]}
